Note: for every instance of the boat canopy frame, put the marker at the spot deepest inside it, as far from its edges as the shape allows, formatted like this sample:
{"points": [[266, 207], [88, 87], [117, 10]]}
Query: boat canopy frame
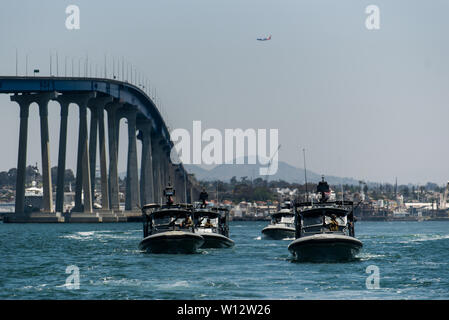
{"points": [[325, 209], [221, 214], [158, 211]]}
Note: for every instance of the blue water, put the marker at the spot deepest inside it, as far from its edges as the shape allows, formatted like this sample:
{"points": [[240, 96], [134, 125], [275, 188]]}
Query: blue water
{"points": [[412, 257]]}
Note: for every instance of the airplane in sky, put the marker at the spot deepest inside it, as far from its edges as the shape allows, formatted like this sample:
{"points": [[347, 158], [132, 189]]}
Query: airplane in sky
{"points": [[264, 39]]}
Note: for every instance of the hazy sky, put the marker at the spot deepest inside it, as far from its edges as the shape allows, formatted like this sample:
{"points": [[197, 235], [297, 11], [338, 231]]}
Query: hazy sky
{"points": [[365, 104]]}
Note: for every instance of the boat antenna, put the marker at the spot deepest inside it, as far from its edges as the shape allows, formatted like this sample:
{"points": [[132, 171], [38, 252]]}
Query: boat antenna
{"points": [[342, 194], [305, 173], [269, 163], [185, 185]]}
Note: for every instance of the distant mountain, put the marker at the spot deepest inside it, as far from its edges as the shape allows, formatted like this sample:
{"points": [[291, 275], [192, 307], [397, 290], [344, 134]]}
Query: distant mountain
{"points": [[285, 172]]}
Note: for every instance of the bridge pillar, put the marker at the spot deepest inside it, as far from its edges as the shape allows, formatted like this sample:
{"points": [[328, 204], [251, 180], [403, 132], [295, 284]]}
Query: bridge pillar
{"points": [[146, 165], [93, 137], [42, 100], [83, 183], [97, 106], [194, 191], [167, 163], [179, 183], [155, 150], [162, 167], [103, 165], [111, 109], [165, 160], [62, 152], [171, 174], [24, 102], [184, 185], [189, 192], [132, 200]]}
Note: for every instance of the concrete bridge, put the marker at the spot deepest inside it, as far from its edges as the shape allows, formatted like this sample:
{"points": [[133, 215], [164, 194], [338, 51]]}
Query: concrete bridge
{"points": [[120, 100]]}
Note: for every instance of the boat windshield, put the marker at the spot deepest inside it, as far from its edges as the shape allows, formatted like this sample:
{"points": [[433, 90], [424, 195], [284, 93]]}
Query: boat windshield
{"points": [[162, 220], [314, 224], [340, 220], [165, 223], [287, 220], [309, 222], [208, 223]]}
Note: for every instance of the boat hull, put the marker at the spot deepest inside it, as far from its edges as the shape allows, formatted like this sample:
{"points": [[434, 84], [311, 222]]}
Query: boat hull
{"points": [[215, 240], [325, 247], [278, 233], [172, 242]]}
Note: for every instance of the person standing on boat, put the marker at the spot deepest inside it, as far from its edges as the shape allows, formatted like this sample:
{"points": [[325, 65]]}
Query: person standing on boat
{"points": [[169, 192], [203, 198], [324, 190]]}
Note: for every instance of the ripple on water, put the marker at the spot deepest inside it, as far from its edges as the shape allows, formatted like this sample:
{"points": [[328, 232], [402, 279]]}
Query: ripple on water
{"points": [[412, 258]]}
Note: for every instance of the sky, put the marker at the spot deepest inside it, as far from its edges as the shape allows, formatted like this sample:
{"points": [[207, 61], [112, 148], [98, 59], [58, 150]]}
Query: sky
{"points": [[367, 104]]}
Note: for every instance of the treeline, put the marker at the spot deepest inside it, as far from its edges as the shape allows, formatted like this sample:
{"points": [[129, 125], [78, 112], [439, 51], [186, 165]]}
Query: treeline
{"points": [[8, 178], [245, 189]]}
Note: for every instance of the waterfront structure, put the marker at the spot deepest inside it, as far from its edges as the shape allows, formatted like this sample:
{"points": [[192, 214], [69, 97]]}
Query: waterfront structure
{"points": [[96, 95]]}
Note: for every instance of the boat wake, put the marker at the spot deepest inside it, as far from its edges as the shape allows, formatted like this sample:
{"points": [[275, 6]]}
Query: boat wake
{"points": [[177, 284], [423, 238], [100, 235], [369, 256]]}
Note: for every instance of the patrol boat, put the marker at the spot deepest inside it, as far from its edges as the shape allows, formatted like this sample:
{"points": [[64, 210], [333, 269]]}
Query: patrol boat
{"points": [[324, 230], [282, 224], [169, 228], [213, 225]]}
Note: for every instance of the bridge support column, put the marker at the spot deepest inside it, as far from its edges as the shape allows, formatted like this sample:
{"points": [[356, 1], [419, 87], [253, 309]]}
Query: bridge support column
{"points": [[166, 161], [97, 106], [132, 179], [155, 150], [83, 183], [24, 102], [103, 165], [93, 146], [189, 192], [42, 100], [179, 185], [163, 182], [111, 109], [164, 164], [172, 173], [184, 185], [146, 166], [60, 180]]}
